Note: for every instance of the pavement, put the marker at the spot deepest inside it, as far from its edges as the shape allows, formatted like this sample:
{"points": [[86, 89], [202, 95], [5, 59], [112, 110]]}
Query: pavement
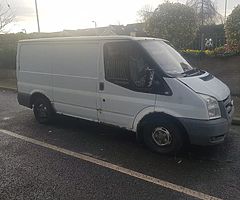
{"points": [[76, 159]]}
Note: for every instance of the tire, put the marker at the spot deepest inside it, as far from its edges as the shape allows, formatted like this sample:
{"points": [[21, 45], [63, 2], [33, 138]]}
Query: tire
{"points": [[43, 110], [163, 137]]}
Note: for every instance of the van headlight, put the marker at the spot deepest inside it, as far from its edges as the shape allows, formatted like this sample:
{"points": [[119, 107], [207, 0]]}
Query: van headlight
{"points": [[212, 106]]}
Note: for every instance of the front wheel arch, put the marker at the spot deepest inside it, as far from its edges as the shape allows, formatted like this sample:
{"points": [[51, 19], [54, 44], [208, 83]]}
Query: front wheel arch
{"points": [[152, 118]]}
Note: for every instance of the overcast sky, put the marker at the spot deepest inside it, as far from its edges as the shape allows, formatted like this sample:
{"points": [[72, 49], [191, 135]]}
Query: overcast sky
{"points": [[57, 15]]}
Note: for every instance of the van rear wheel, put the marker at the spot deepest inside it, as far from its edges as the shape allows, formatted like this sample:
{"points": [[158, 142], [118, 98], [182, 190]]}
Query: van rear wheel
{"points": [[163, 137], [43, 110]]}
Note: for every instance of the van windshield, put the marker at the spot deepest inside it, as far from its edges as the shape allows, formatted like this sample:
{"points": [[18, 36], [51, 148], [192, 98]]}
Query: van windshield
{"points": [[170, 61]]}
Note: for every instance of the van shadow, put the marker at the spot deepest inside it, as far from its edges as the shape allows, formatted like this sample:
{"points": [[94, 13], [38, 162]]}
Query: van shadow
{"points": [[123, 141], [92, 128]]}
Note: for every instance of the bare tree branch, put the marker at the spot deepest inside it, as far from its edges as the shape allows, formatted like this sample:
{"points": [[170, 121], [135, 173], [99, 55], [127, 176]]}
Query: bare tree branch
{"points": [[6, 16], [206, 11], [145, 13]]}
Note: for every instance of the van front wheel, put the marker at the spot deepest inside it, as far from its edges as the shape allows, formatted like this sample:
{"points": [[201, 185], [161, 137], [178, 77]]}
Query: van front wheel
{"points": [[43, 110], [163, 137]]}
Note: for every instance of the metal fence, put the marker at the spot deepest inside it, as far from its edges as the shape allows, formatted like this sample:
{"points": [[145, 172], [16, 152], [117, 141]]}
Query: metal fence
{"points": [[214, 32]]}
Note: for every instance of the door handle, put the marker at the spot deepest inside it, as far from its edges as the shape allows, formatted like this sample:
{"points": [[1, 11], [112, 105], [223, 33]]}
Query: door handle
{"points": [[101, 86]]}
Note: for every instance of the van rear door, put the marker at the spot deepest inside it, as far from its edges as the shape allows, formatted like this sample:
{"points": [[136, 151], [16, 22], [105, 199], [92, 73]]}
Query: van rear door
{"points": [[34, 68]]}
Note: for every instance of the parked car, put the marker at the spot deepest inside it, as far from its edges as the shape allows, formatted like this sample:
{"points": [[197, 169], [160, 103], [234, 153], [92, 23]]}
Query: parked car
{"points": [[140, 84]]}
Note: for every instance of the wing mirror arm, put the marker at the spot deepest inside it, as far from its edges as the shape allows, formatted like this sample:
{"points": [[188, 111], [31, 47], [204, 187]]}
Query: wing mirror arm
{"points": [[150, 77]]}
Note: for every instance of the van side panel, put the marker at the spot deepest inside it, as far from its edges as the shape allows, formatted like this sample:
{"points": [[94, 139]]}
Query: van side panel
{"points": [[34, 69], [75, 78]]}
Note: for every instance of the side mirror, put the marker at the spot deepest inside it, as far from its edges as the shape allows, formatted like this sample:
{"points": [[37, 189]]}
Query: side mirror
{"points": [[149, 77]]}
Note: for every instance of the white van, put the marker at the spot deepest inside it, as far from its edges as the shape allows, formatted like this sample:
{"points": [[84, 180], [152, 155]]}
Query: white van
{"points": [[141, 84]]}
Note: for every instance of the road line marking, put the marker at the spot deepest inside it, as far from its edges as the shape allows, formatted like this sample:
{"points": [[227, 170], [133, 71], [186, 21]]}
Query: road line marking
{"points": [[117, 168]]}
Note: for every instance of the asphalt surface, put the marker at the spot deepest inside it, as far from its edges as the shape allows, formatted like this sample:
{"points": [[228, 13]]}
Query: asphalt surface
{"points": [[28, 171]]}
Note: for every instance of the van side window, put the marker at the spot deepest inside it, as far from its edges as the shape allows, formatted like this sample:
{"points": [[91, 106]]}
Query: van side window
{"points": [[125, 65], [116, 63]]}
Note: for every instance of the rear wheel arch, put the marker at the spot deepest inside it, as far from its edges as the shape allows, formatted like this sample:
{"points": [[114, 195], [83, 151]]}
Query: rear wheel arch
{"points": [[37, 95], [42, 108]]}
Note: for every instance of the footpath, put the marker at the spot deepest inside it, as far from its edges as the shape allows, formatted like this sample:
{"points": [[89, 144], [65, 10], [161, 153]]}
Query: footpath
{"points": [[10, 84]]}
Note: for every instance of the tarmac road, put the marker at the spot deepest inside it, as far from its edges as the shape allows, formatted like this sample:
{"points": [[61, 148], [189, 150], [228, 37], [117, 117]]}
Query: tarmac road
{"points": [[35, 170]]}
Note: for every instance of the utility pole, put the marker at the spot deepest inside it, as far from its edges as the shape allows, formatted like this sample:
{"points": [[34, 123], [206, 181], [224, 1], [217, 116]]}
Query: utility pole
{"points": [[225, 15], [202, 13], [37, 16], [202, 34], [95, 25]]}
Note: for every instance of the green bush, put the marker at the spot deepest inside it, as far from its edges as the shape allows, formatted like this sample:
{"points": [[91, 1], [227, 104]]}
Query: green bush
{"points": [[232, 29], [8, 49], [217, 52], [8, 57]]}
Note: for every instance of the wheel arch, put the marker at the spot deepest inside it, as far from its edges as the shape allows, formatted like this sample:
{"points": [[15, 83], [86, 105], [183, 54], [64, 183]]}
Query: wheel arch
{"points": [[152, 117], [37, 94], [151, 111]]}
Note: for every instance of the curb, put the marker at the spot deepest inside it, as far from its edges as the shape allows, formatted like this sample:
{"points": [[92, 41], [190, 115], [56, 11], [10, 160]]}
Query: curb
{"points": [[8, 88]]}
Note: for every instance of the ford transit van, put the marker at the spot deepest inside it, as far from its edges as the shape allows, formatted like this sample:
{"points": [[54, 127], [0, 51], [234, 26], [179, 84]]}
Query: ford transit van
{"points": [[140, 84]]}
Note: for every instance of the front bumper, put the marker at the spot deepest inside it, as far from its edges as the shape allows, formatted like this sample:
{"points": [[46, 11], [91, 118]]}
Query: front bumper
{"points": [[209, 132], [206, 132]]}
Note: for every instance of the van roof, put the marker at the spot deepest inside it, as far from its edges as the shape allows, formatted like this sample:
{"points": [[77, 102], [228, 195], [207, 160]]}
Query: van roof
{"points": [[88, 38]]}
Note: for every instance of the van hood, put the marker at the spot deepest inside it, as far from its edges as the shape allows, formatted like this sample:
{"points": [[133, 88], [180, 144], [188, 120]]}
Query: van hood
{"points": [[207, 84]]}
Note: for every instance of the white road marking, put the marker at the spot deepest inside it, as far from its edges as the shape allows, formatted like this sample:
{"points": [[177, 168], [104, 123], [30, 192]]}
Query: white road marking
{"points": [[117, 168], [6, 118]]}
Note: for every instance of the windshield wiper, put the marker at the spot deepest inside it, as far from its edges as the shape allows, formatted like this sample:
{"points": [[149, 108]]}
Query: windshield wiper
{"points": [[191, 72]]}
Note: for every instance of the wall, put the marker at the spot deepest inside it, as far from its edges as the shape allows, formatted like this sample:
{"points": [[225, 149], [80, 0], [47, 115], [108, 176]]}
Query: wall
{"points": [[7, 74]]}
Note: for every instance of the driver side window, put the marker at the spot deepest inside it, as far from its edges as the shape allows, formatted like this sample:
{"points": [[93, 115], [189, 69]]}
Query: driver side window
{"points": [[125, 65]]}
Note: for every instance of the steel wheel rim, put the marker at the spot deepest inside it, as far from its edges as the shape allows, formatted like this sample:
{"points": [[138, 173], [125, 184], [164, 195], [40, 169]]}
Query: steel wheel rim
{"points": [[42, 111], [161, 136]]}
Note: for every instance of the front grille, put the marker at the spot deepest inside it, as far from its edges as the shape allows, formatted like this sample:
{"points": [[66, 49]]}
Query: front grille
{"points": [[228, 104]]}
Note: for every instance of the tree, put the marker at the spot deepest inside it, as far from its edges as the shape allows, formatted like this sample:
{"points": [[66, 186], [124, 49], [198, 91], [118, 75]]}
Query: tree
{"points": [[174, 22], [144, 13], [206, 11], [232, 29], [6, 16]]}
